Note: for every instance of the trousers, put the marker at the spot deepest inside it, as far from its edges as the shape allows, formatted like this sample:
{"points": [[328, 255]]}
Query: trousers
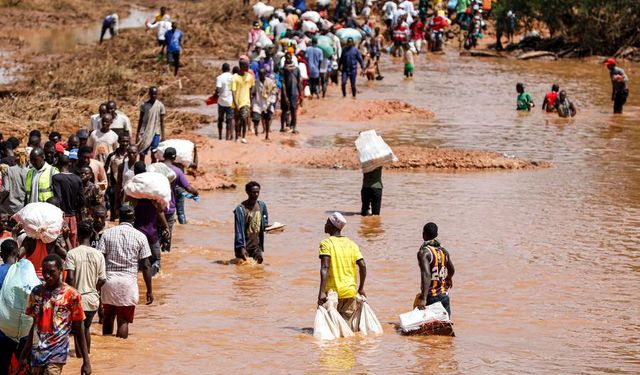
{"points": [[352, 79], [371, 198]]}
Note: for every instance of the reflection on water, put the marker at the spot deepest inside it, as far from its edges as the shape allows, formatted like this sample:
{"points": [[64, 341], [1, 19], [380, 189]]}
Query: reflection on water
{"points": [[66, 39], [547, 261]]}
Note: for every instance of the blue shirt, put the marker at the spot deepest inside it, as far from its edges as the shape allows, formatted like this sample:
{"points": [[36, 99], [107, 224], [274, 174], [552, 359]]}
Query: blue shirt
{"points": [[300, 5], [4, 268], [314, 58], [173, 38], [350, 59]]}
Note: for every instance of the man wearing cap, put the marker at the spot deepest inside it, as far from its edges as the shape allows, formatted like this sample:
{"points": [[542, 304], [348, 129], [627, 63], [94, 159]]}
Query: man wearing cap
{"points": [[436, 270], [619, 85], [83, 136], [338, 259], [126, 251]]}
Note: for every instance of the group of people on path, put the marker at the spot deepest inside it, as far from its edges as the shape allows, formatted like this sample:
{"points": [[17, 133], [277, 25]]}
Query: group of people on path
{"points": [[92, 267]]}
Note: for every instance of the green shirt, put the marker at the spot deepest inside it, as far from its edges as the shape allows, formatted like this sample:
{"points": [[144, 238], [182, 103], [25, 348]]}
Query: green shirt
{"points": [[372, 179], [524, 100]]}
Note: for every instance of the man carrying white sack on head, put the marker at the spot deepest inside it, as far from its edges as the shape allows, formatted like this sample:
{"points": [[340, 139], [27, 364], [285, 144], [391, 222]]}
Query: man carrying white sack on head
{"points": [[338, 259]]}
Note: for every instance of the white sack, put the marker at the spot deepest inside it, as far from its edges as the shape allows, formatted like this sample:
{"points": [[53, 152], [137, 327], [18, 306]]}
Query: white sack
{"points": [[149, 185], [364, 319], [323, 3], [260, 9], [373, 152], [413, 320], [184, 150], [40, 220], [311, 16], [337, 319], [164, 169], [264, 41], [309, 27], [323, 328]]}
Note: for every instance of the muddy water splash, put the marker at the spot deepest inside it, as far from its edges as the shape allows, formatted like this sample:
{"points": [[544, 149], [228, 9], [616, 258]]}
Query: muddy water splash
{"points": [[547, 261]]}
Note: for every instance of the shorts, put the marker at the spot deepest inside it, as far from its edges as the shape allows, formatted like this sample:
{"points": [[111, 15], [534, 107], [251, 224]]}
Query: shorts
{"points": [[154, 144], [88, 318], [408, 68], [173, 58], [48, 369], [161, 43], [125, 313], [226, 114], [257, 116], [243, 112], [347, 307]]}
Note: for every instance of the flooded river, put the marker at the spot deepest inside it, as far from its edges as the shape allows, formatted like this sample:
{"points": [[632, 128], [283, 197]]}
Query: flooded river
{"points": [[547, 261]]}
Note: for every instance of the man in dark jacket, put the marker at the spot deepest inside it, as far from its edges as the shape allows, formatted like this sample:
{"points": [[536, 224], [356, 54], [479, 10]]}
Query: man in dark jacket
{"points": [[251, 219], [348, 65]]}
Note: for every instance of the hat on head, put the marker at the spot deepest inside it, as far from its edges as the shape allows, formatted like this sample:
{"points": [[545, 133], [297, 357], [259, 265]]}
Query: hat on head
{"points": [[73, 154], [338, 220], [170, 153], [610, 61], [60, 148]]}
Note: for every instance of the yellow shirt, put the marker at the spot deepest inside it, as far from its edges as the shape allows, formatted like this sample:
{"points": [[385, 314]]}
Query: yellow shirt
{"points": [[344, 254], [241, 88]]}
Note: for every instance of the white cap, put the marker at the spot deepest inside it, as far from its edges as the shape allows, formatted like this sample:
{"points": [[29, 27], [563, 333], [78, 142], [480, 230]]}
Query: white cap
{"points": [[338, 220]]}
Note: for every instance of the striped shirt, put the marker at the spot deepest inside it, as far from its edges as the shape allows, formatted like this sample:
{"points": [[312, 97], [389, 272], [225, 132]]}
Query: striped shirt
{"points": [[123, 247]]}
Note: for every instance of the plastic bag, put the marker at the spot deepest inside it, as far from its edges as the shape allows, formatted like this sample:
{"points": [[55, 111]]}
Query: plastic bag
{"points": [[260, 9], [184, 150], [338, 321], [41, 220], [323, 328], [373, 152], [311, 16], [364, 319], [149, 185], [20, 280], [309, 27], [345, 34], [164, 169], [415, 319]]}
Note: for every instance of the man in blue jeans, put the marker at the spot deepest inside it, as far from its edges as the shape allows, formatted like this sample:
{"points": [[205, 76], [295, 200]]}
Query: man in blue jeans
{"points": [[436, 270], [348, 65]]}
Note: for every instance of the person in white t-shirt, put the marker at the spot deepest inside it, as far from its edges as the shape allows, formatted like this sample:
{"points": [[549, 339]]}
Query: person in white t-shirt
{"points": [[121, 123], [225, 100], [95, 122], [104, 140]]}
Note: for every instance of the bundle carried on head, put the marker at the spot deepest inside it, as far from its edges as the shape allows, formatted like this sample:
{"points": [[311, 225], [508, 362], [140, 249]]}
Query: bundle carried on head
{"points": [[41, 220], [150, 185]]}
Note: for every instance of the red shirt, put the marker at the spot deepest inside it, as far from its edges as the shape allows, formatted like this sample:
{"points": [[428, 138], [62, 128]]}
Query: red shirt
{"points": [[417, 30], [551, 98]]}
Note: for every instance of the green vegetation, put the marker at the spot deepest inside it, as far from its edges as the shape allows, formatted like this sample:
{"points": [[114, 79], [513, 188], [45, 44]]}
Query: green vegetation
{"points": [[595, 26]]}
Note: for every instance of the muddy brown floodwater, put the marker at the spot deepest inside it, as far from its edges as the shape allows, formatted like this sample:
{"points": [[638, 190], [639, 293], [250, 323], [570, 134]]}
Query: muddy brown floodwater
{"points": [[547, 261]]}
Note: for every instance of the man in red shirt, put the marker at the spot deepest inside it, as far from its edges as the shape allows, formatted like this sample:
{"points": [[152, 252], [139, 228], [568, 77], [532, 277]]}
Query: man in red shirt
{"points": [[550, 98], [417, 34]]}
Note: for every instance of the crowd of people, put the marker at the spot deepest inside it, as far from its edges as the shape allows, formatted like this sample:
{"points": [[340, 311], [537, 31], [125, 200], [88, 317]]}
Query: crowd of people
{"points": [[93, 265], [292, 53]]}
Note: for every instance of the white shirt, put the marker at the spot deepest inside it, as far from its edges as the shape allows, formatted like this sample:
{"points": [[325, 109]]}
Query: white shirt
{"points": [[121, 122], [94, 123], [102, 143], [223, 84], [162, 26]]}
